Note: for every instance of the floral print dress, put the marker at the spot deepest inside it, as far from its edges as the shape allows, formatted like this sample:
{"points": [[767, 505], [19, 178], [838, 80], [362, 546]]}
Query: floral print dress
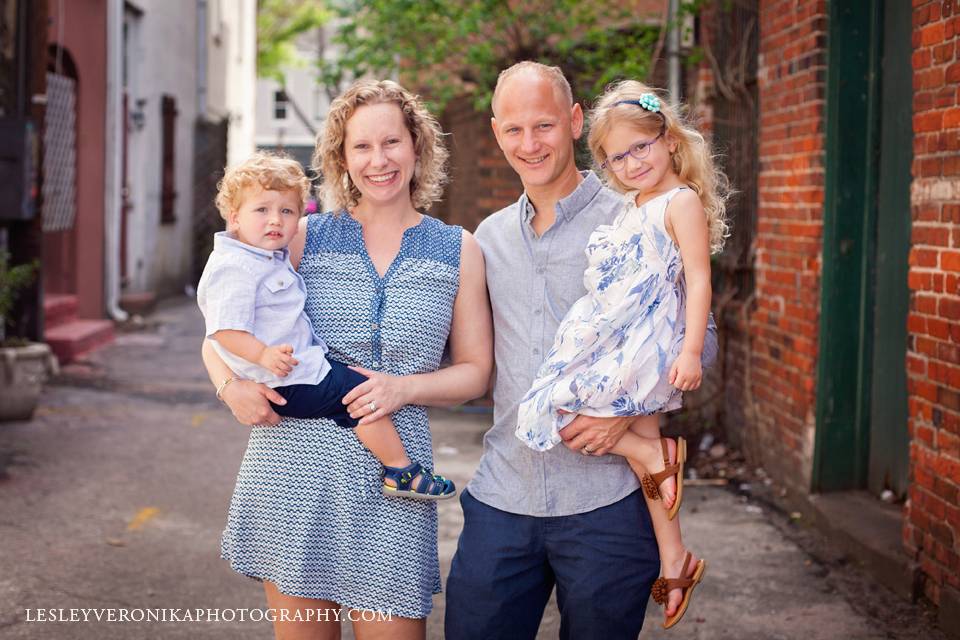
{"points": [[613, 350]]}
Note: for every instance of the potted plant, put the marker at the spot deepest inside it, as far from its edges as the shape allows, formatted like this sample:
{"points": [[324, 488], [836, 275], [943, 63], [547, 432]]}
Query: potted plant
{"points": [[24, 366]]}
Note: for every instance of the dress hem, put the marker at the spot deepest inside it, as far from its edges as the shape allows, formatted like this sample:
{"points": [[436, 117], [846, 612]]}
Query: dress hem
{"points": [[284, 589]]}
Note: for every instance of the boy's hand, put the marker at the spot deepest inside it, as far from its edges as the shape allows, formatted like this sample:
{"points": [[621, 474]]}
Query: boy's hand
{"points": [[278, 359], [686, 372]]}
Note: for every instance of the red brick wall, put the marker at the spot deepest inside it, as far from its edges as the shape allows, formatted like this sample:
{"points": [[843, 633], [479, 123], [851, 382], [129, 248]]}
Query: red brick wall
{"points": [[932, 527], [784, 323], [481, 181]]}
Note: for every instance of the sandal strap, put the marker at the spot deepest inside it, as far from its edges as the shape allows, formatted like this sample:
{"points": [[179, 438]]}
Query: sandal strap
{"points": [[432, 485], [670, 470], [681, 582], [403, 476]]}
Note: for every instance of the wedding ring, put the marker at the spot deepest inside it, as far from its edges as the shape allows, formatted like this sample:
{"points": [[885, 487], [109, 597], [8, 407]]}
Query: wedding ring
{"points": [[586, 452], [373, 406]]}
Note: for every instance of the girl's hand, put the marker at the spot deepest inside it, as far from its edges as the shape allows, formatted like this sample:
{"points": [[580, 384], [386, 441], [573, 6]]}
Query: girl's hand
{"points": [[250, 402], [387, 393], [278, 359], [686, 372]]}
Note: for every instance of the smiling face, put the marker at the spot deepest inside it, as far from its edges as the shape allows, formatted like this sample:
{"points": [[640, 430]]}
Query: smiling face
{"points": [[536, 130], [266, 219], [379, 154], [652, 174]]}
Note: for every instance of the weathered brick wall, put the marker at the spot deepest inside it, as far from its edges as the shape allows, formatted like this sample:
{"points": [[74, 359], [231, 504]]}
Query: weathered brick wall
{"points": [[779, 399], [932, 526], [481, 181]]}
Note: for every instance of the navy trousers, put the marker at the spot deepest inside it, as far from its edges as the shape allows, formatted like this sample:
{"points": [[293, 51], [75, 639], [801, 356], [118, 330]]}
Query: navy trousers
{"points": [[602, 563]]}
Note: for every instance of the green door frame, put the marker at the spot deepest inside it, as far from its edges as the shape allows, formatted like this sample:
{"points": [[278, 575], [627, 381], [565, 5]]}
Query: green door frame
{"points": [[842, 434], [889, 440]]}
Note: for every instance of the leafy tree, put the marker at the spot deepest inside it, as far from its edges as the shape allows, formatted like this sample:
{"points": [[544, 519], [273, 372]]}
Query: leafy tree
{"points": [[279, 24], [448, 48]]}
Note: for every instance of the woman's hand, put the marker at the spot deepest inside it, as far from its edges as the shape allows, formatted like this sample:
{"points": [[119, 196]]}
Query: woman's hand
{"points": [[686, 372], [250, 402], [387, 393]]}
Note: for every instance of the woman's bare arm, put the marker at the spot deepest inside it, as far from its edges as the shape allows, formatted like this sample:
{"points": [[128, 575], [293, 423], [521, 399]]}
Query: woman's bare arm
{"points": [[249, 401]]}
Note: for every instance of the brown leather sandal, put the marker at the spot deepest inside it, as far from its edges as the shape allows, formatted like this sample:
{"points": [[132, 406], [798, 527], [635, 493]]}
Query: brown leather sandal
{"points": [[662, 587], [651, 483]]}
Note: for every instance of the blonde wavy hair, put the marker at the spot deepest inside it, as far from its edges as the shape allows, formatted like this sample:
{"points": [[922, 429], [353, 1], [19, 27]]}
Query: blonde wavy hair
{"points": [[337, 189], [269, 171], [693, 161]]}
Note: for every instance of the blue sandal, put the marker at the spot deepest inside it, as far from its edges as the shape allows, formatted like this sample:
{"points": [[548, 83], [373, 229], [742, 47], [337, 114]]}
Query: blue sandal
{"points": [[430, 487]]}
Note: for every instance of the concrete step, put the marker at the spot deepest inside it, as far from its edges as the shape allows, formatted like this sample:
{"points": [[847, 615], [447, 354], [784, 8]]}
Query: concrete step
{"points": [[59, 308], [75, 337]]}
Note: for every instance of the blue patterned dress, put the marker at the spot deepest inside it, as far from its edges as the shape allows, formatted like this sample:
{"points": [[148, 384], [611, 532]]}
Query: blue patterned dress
{"points": [[307, 513], [614, 348]]}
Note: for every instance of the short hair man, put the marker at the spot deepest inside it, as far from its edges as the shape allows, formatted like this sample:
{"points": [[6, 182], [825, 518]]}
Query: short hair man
{"points": [[534, 520]]}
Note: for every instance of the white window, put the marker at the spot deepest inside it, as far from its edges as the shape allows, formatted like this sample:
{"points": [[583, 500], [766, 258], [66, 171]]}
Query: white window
{"points": [[279, 105]]}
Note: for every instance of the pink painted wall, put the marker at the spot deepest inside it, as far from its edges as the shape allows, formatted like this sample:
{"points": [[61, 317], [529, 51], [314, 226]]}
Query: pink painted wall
{"points": [[83, 27]]}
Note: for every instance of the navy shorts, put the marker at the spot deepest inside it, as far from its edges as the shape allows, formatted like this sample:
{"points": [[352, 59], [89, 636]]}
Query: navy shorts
{"points": [[324, 399], [602, 563]]}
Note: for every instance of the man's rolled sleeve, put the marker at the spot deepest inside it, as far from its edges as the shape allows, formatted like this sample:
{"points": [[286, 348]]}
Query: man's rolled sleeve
{"points": [[230, 300]]}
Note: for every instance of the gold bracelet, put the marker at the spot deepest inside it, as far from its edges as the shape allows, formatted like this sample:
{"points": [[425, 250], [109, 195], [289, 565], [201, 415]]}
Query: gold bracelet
{"points": [[223, 385]]}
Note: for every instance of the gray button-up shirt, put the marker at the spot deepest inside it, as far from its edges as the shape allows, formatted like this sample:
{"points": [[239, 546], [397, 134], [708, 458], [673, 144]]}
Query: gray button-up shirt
{"points": [[533, 282], [245, 288]]}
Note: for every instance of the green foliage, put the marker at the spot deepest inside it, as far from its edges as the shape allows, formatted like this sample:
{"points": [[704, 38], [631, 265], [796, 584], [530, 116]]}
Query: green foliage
{"points": [[457, 47], [279, 22], [12, 281]]}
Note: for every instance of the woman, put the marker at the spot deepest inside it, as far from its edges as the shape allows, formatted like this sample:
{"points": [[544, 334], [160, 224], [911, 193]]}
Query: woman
{"points": [[387, 287]]}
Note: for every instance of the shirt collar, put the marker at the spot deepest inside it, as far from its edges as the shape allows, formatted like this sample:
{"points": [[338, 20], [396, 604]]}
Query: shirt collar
{"points": [[573, 204], [226, 241]]}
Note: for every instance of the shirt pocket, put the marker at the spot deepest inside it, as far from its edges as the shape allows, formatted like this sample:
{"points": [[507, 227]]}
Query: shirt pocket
{"points": [[278, 283]]}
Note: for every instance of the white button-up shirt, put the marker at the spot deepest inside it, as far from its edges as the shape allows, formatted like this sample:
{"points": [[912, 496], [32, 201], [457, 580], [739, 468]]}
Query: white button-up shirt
{"points": [[245, 288]]}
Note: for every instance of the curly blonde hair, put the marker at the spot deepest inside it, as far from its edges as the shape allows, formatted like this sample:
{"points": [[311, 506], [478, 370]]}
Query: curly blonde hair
{"points": [[338, 190], [269, 171], [693, 161]]}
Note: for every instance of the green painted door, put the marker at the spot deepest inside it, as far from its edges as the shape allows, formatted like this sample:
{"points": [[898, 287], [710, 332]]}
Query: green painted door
{"points": [[861, 434]]}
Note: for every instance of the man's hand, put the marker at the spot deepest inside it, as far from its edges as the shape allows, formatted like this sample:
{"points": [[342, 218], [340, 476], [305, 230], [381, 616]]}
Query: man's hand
{"points": [[686, 372], [596, 435], [250, 402], [278, 359]]}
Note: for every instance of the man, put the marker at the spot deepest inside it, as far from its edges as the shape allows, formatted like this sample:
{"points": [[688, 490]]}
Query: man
{"points": [[572, 516]]}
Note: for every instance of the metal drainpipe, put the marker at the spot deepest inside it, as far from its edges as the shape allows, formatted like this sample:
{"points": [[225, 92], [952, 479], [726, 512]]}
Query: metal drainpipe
{"points": [[202, 59], [113, 181], [673, 51]]}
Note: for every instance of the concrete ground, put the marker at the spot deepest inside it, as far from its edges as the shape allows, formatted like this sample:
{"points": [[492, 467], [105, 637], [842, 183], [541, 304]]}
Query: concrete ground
{"points": [[114, 496]]}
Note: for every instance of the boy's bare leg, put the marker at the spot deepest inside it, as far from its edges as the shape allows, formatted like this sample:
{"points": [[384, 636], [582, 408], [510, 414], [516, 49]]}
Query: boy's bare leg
{"points": [[381, 438], [667, 532]]}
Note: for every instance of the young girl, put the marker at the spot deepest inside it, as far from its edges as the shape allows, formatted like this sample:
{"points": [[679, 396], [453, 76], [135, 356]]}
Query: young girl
{"points": [[633, 343]]}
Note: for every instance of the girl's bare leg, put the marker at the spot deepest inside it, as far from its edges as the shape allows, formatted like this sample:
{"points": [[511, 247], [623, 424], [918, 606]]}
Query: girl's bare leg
{"points": [[646, 450], [319, 619], [368, 626], [669, 541]]}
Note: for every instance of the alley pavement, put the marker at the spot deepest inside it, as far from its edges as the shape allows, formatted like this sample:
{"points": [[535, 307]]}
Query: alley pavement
{"points": [[113, 499]]}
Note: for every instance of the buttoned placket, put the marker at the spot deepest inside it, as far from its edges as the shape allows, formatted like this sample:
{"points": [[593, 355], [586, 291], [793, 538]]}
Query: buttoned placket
{"points": [[541, 343]]}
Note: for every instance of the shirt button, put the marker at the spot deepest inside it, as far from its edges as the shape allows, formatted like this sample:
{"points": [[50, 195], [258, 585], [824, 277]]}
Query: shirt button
{"points": [[280, 283], [374, 326], [536, 351], [376, 363], [541, 270], [537, 312]]}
